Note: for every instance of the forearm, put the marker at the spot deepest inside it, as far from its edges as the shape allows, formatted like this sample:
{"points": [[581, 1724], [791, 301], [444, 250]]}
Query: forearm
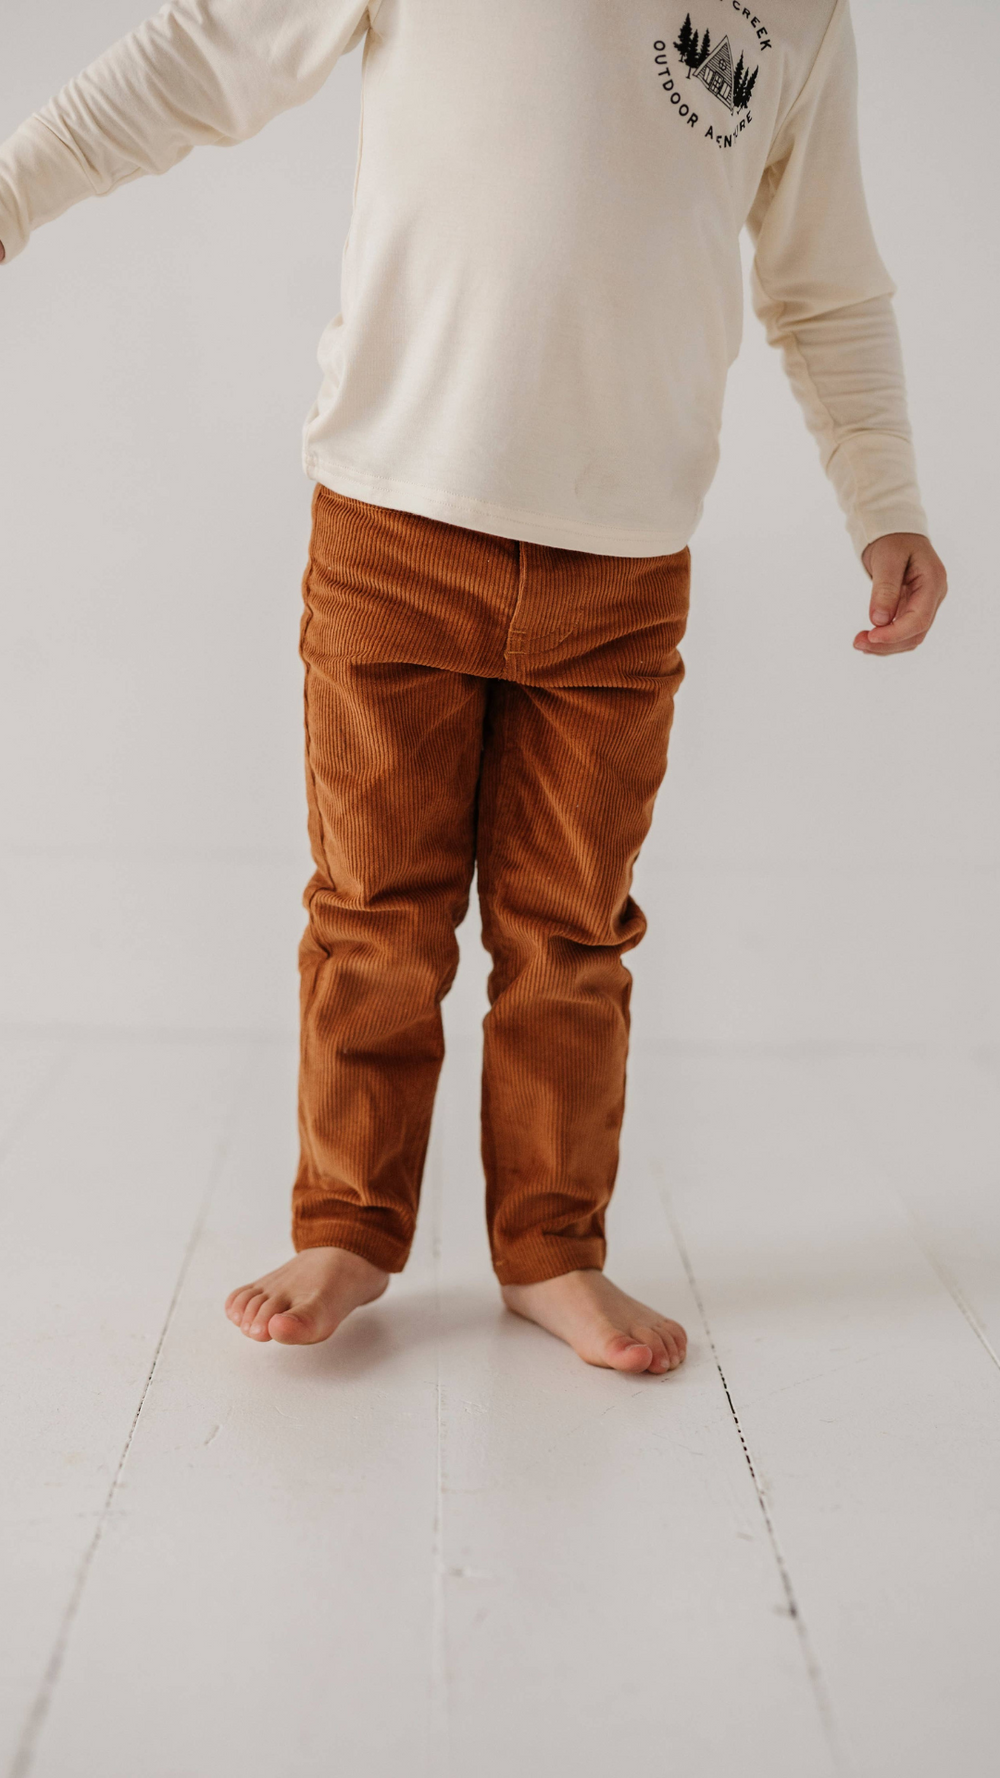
{"points": [[198, 72], [846, 370]]}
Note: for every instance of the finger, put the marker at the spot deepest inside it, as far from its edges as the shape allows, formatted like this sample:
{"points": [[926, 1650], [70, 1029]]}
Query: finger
{"points": [[885, 599], [887, 585], [893, 636], [912, 619], [910, 627], [864, 645]]}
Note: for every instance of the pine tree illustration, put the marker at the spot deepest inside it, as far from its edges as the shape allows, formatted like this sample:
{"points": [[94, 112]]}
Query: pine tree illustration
{"points": [[743, 85], [686, 37], [691, 52]]}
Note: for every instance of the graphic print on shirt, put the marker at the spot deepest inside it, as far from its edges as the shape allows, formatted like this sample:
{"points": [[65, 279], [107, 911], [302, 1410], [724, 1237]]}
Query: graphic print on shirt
{"points": [[726, 73]]}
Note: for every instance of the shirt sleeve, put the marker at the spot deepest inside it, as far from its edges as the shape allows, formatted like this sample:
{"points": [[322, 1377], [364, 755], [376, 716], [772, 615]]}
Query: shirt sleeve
{"points": [[197, 72], [825, 298]]}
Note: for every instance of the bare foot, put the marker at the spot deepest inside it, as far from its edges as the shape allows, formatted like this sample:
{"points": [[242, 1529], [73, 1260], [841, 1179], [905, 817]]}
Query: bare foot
{"points": [[601, 1323], [307, 1299]]}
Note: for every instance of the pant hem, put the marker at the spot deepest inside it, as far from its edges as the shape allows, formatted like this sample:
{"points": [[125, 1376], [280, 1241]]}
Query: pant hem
{"points": [[370, 1244], [540, 1257]]}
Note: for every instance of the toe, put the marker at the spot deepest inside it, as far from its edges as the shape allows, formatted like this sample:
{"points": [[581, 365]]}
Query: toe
{"points": [[295, 1327], [623, 1353], [237, 1300], [250, 1308], [271, 1305], [662, 1359], [675, 1340]]}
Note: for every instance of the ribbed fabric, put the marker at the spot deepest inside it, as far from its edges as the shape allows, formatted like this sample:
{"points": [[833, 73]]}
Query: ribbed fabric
{"points": [[473, 702]]}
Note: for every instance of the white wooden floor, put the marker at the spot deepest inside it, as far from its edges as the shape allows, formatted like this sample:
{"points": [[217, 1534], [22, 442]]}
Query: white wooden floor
{"points": [[440, 1545]]}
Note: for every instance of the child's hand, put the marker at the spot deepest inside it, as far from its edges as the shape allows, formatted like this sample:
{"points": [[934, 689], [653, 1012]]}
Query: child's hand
{"points": [[908, 584]]}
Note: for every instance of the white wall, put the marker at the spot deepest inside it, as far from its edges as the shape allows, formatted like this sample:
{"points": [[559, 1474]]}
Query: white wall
{"points": [[824, 863]]}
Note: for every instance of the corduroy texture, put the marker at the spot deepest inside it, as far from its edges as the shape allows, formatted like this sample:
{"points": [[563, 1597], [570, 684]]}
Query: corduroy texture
{"points": [[473, 703]]}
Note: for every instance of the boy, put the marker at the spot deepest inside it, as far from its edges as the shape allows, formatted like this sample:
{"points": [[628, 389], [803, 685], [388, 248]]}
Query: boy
{"points": [[516, 428]]}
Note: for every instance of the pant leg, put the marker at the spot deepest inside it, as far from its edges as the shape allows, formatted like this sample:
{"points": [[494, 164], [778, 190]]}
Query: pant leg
{"points": [[404, 624], [569, 779], [393, 754]]}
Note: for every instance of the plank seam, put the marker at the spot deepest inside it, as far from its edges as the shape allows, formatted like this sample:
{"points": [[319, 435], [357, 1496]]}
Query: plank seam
{"points": [[924, 1241], [812, 1666]]}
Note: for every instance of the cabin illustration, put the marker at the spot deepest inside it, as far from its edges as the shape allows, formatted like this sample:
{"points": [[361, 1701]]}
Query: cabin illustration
{"points": [[717, 73]]}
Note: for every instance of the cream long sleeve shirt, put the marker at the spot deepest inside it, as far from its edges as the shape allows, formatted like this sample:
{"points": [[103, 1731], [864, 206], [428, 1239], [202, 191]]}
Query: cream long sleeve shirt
{"points": [[542, 287]]}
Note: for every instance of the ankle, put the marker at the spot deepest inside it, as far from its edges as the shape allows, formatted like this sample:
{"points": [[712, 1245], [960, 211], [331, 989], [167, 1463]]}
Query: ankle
{"points": [[344, 1258]]}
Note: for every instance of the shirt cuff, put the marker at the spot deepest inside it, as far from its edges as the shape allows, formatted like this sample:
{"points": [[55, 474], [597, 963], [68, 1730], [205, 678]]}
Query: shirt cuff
{"points": [[875, 477], [40, 177]]}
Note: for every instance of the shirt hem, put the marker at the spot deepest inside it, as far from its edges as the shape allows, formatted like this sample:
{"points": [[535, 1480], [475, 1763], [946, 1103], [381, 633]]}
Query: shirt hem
{"points": [[484, 515]]}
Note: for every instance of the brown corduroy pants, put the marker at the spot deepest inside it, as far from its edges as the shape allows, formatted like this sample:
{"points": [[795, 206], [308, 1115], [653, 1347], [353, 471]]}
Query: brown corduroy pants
{"points": [[473, 702]]}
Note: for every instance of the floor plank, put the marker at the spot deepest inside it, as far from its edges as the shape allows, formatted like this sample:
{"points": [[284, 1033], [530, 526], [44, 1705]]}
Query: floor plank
{"points": [[440, 1544], [870, 1409], [101, 1190], [29, 1067], [611, 1595], [366, 1552], [933, 1131], [262, 1599]]}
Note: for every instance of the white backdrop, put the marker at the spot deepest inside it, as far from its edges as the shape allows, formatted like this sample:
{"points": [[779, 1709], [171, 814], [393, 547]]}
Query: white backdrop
{"points": [[824, 861]]}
